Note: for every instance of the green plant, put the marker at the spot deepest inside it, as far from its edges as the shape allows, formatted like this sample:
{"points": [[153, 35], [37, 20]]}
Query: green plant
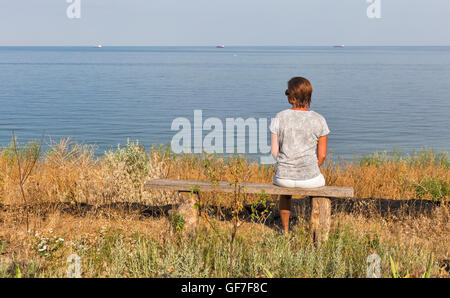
{"points": [[178, 222], [18, 272], [237, 169], [26, 158], [195, 190], [427, 272], [128, 166], [134, 158], [2, 247], [437, 188], [260, 216], [211, 173], [373, 159], [394, 270], [268, 273]]}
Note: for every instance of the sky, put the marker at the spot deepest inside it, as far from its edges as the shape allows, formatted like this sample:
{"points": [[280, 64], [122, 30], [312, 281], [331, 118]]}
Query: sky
{"points": [[228, 22]]}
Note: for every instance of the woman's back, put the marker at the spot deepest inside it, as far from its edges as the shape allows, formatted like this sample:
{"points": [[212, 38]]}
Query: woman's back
{"points": [[298, 132]]}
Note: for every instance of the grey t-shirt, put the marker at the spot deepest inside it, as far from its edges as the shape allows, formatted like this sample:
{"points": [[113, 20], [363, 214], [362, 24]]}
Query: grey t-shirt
{"points": [[298, 133]]}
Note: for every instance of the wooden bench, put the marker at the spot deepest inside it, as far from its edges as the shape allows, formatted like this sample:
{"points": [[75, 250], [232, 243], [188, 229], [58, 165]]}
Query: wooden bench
{"points": [[320, 197]]}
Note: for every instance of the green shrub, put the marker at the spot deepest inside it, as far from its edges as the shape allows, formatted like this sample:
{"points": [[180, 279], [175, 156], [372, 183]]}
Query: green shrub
{"points": [[436, 188], [133, 159], [126, 171]]}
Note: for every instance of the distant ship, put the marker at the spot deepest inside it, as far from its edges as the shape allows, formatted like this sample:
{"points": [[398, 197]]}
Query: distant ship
{"points": [[221, 46], [98, 46], [339, 46]]}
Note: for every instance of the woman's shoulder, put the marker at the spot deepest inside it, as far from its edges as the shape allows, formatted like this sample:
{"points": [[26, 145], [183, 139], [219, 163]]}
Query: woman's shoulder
{"points": [[317, 115], [283, 113], [310, 113]]}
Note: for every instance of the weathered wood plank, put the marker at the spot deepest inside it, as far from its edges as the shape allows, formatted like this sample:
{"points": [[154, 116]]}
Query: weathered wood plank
{"points": [[320, 220], [251, 188]]}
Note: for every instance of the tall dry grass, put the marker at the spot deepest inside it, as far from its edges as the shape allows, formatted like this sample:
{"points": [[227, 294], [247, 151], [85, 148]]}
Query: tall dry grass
{"points": [[422, 175], [69, 174]]}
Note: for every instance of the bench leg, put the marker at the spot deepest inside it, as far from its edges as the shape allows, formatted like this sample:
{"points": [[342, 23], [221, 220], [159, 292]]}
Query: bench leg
{"points": [[320, 221], [188, 211]]}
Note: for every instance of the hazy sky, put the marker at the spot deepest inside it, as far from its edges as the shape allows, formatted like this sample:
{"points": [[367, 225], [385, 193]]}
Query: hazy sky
{"points": [[229, 22]]}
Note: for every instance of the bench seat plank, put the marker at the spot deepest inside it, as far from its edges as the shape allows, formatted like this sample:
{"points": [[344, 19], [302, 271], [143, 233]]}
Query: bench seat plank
{"points": [[250, 188]]}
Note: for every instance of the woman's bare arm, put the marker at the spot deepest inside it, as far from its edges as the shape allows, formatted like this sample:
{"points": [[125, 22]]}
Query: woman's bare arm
{"points": [[274, 148], [322, 149]]}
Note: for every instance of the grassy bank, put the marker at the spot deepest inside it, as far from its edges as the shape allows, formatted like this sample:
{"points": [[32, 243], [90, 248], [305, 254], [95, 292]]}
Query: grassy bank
{"points": [[66, 201]]}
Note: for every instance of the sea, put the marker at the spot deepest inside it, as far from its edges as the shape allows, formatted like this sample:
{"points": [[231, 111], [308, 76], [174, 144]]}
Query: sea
{"points": [[374, 99]]}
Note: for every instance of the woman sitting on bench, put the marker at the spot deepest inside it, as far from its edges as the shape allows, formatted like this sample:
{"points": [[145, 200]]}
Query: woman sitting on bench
{"points": [[299, 144]]}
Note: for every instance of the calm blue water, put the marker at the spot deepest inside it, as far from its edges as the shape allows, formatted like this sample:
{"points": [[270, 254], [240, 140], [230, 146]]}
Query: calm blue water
{"points": [[374, 98]]}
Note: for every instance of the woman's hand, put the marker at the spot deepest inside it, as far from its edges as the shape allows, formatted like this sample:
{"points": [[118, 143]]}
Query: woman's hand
{"points": [[322, 149]]}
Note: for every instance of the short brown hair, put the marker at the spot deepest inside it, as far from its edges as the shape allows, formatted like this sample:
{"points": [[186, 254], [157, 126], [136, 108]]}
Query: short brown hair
{"points": [[299, 92]]}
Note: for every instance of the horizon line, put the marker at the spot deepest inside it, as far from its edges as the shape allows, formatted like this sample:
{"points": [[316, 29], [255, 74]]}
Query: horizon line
{"points": [[214, 45]]}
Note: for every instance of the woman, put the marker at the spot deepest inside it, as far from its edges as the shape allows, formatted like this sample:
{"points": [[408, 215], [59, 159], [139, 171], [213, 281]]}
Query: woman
{"points": [[299, 144]]}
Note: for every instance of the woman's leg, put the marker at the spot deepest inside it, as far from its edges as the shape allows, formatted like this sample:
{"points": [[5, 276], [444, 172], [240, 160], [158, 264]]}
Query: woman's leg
{"points": [[285, 211], [285, 201]]}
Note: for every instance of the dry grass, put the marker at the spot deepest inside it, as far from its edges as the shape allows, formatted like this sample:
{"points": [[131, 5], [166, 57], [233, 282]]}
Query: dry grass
{"points": [[123, 242]]}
